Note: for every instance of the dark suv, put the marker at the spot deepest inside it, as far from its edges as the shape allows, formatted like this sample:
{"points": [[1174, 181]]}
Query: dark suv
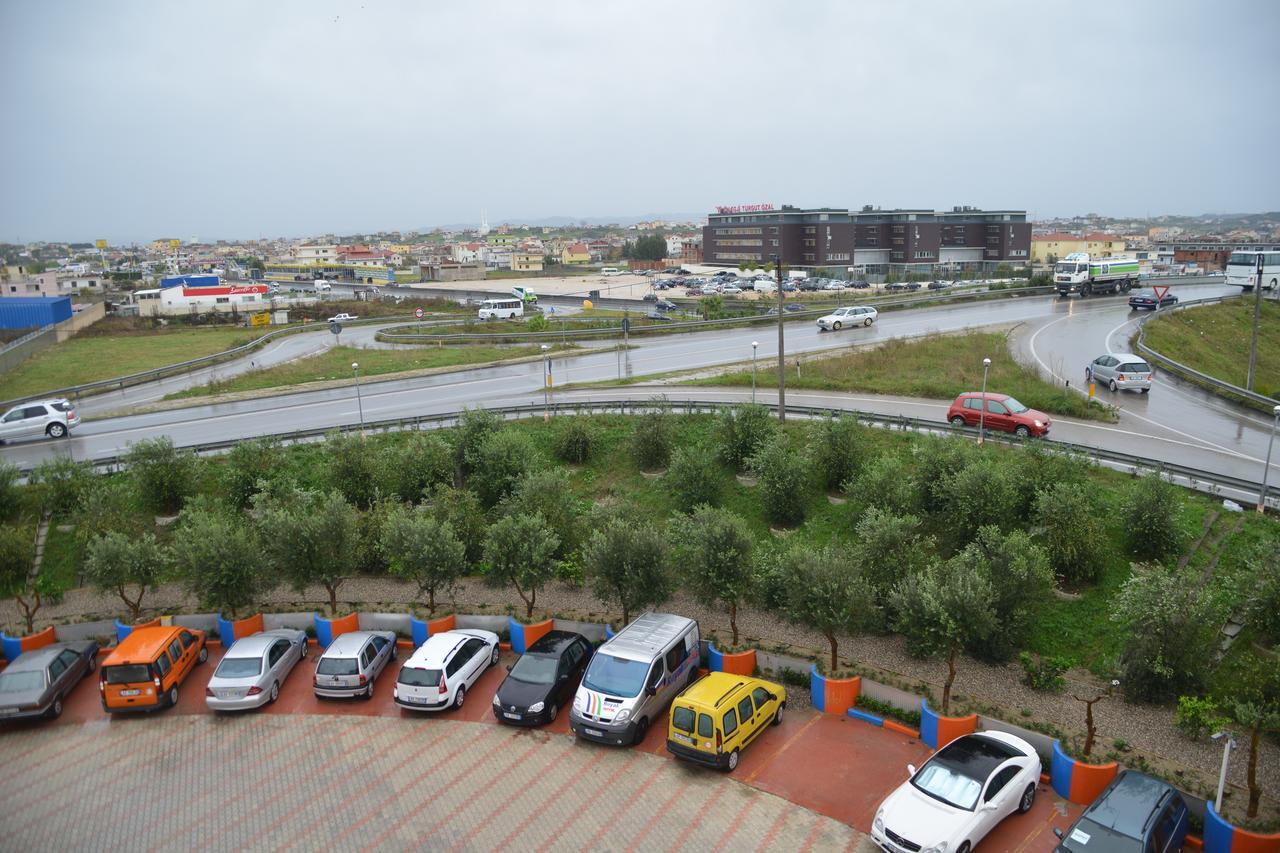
{"points": [[1135, 813]]}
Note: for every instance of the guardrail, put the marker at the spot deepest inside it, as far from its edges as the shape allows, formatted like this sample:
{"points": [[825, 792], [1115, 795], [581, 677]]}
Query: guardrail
{"points": [[1196, 478], [1211, 383]]}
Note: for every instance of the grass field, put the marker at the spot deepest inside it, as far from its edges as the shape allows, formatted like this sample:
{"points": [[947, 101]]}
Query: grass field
{"points": [[1214, 339], [938, 367], [336, 364], [88, 358]]}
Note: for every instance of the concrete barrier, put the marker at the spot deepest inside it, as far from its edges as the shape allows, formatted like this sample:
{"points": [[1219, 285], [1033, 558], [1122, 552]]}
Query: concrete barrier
{"points": [[1076, 781], [328, 630], [937, 731], [736, 663], [833, 695], [231, 630], [15, 646], [1222, 837], [421, 629], [523, 636], [123, 630]]}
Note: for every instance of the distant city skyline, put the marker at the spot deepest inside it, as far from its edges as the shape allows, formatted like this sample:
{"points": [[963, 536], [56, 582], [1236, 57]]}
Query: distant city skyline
{"points": [[240, 119]]}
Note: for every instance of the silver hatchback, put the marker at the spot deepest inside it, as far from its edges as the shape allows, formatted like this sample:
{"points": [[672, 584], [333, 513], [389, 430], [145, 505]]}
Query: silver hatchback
{"points": [[53, 418], [1118, 371], [352, 662]]}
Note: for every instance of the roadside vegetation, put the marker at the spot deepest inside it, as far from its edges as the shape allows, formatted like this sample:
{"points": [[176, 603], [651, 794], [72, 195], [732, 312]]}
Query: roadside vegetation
{"points": [[842, 529], [1214, 339], [937, 367]]}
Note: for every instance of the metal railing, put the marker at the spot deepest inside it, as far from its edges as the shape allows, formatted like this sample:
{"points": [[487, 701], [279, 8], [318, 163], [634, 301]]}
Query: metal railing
{"points": [[1210, 383], [1196, 478]]}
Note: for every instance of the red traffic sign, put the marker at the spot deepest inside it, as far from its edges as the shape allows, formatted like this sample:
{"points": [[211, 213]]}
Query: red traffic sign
{"points": [[417, 312], [1161, 290]]}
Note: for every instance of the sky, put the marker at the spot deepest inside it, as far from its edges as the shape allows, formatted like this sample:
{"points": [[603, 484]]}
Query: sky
{"points": [[131, 121]]}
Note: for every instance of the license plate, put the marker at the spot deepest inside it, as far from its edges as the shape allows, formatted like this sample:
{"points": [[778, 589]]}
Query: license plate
{"points": [[593, 732], [510, 716], [130, 692], [8, 710], [684, 739]]}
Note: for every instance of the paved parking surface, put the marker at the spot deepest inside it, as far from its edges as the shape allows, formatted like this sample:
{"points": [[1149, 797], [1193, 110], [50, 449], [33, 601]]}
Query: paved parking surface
{"points": [[352, 774]]}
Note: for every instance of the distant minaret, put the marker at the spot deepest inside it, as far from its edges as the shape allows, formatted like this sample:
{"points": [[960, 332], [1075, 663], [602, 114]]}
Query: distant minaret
{"points": [[484, 223]]}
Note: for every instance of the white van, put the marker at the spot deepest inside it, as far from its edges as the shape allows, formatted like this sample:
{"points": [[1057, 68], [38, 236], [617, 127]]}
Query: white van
{"points": [[633, 677], [501, 309], [610, 271], [322, 286]]}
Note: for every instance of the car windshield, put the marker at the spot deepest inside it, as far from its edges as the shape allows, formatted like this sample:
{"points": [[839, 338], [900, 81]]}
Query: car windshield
{"points": [[1014, 405], [682, 719], [238, 667], [949, 785], [13, 682], [337, 666], [615, 676], [126, 674], [1136, 367], [535, 670], [414, 676], [1090, 837]]}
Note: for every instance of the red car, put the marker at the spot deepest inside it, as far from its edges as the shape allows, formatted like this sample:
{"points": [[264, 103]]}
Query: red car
{"points": [[1003, 413]]}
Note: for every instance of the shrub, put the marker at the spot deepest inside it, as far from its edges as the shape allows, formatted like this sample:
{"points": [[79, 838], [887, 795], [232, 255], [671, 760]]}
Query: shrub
{"points": [[165, 475], [62, 479], [420, 463], [10, 494], [793, 677], [741, 431], [884, 709], [353, 468], [1044, 673], [839, 451], [783, 480], [889, 547], [576, 440], [538, 323], [508, 455], [652, 439], [936, 460], [979, 494], [694, 478], [883, 482], [474, 427], [1196, 718], [1262, 602], [1152, 511], [1073, 532]]}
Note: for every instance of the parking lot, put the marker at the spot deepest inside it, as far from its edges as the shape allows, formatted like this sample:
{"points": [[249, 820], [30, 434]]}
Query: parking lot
{"points": [[365, 774]]}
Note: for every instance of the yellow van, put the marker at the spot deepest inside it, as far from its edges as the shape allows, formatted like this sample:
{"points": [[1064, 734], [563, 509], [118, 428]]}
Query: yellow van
{"points": [[714, 719]]}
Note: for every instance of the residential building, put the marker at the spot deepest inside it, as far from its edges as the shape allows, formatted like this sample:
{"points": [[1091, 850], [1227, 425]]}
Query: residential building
{"points": [[1211, 255], [315, 253], [453, 271], [526, 262], [1059, 245], [575, 253]]}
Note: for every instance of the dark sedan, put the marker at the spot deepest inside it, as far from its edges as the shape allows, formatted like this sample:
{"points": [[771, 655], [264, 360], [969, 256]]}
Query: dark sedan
{"points": [[36, 684], [1144, 299], [543, 680]]}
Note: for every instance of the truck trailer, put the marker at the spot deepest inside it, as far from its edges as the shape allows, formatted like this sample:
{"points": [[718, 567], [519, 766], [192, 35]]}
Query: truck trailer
{"points": [[1078, 273]]}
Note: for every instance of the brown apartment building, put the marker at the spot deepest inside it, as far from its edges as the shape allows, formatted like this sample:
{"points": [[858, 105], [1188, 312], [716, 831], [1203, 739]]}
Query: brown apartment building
{"points": [[869, 241]]}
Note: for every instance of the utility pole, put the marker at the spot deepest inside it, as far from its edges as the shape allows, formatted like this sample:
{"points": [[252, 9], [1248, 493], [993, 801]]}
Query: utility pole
{"points": [[782, 350], [1257, 315]]}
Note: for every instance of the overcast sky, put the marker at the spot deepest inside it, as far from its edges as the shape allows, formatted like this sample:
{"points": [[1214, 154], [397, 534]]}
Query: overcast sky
{"points": [[131, 121]]}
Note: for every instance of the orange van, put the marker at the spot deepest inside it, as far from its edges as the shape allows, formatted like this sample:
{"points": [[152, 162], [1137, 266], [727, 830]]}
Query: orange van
{"points": [[145, 669]]}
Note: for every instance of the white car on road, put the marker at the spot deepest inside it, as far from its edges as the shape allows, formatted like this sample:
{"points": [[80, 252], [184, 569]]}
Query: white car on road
{"points": [[854, 315], [53, 418], [343, 318], [253, 669], [959, 795], [441, 671]]}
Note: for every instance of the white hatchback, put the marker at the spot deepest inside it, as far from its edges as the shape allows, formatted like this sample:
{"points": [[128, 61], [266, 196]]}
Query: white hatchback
{"points": [[856, 315], [441, 671]]}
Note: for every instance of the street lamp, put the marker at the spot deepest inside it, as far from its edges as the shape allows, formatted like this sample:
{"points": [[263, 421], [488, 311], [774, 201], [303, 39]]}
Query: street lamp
{"points": [[982, 413], [546, 381], [754, 345], [1228, 743], [1266, 467], [355, 369]]}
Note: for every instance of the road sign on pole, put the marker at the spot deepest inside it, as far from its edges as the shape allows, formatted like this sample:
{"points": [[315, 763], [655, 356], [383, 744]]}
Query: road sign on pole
{"points": [[417, 312], [1161, 290]]}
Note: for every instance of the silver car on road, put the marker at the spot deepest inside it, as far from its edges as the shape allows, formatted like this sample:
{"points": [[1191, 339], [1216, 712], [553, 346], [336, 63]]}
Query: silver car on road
{"points": [[53, 418], [251, 672], [352, 662], [1119, 370], [36, 684]]}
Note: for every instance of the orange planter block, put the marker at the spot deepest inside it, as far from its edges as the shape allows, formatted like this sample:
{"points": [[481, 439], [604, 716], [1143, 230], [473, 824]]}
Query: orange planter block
{"points": [[536, 631], [1089, 780], [34, 641], [739, 663], [893, 726], [444, 623]]}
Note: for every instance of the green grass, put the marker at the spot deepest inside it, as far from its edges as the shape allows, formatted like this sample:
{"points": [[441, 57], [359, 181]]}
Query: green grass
{"points": [[335, 363], [63, 555], [1214, 339], [88, 358], [938, 367]]}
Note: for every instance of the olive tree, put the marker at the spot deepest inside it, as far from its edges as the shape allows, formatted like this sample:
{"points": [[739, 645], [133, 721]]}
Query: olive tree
{"points": [[16, 550], [474, 428], [783, 480], [839, 451], [63, 481], [247, 467], [653, 437], [220, 559], [1073, 533], [125, 565], [520, 551], [1255, 707], [165, 476], [741, 430], [352, 468], [626, 564], [1020, 577], [508, 455], [714, 551], [694, 478], [548, 493], [418, 464], [828, 592], [1152, 513], [1262, 598], [310, 538], [889, 547], [424, 550]]}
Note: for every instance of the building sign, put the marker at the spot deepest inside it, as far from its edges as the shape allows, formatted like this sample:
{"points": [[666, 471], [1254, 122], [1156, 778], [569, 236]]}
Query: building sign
{"points": [[744, 208]]}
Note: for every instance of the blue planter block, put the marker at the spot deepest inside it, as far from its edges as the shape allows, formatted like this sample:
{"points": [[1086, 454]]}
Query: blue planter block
{"points": [[865, 717], [608, 631], [418, 630], [324, 630], [715, 658], [928, 725], [226, 630], [1218, 834], [817, 689], [1060, 771], [516, 630], [122, 631], [12, 646]]}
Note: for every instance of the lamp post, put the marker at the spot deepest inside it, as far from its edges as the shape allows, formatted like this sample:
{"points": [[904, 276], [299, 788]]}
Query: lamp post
{"points": [[982, 413], [782, 349], [355, 369], [1228, 743], [546, 382], [1266, 466], [754, 345]]}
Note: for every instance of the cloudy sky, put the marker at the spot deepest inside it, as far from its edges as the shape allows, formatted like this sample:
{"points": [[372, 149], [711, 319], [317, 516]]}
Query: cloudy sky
{"points": [[134, 120]]}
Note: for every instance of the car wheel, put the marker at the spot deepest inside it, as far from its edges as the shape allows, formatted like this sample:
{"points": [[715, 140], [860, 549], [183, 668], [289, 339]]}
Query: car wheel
{"points": [[836, 325], [204, 654], [55, 710], [493, 658], [963, 848], [733, 761], [551, 713], [368, 691], [1112, 385], [172, 696], [93, 663], [1088, 375], [1028, 798], [56, 430], [777, 715], [460, 696], [275, 692], [957, 421], [866, 322], [1145, 390], [1022, 432]]}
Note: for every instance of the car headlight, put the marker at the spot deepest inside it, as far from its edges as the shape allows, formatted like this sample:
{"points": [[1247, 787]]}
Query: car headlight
{"points": [[623, 716], [878, 824], [940, 847], [496, 703], [536, 707], [578, 702], [1039, 425]]}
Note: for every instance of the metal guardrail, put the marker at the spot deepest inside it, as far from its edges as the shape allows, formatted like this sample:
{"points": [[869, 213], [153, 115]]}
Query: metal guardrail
{"points": [[1212, 383], [1195, 478]]}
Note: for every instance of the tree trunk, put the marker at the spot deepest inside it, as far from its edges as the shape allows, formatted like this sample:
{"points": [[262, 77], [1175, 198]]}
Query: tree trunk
{"points": [[733, 621], [626, 616], [951, 677], [527, 603], [1255, 793], [431, 600], [135, 606], [831, 638], [29, 609], [533, 598], [1089, 728], [332, 589]]}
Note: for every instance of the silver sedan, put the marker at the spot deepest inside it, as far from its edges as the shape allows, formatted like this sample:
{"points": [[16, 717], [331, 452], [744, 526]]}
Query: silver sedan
{"points": [[251, 672]]}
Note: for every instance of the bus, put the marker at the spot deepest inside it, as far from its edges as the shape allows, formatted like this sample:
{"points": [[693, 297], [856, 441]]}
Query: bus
{"points": [[1242, 270], [501, 309]]}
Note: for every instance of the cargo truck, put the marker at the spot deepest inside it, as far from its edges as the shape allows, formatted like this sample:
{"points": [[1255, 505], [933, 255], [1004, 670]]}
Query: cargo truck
{"points": [[1078, 273]]}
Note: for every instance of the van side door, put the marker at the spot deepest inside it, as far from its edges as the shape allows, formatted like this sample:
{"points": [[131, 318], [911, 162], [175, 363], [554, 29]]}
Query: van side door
{"points": [[182, 659]]}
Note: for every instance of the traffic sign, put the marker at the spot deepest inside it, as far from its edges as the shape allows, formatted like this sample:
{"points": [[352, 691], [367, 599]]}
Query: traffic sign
{"points": [[336, 328], [417, 312], [1161, 290]]}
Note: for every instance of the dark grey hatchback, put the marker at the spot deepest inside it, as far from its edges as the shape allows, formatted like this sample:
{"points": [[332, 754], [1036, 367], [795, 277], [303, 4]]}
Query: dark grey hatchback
{"points": [[1136, 813], [543, 680], [36, 684]]}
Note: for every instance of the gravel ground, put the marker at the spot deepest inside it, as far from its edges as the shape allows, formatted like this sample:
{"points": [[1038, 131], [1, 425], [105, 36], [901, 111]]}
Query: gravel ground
{"points": [[1147, 729]]}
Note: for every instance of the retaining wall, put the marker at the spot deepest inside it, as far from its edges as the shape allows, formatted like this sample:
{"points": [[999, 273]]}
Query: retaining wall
{"points": [[328, 630], [833, 695], [1076, 781], [737, 663], [937, 730], [1222, 837], [523, 636], [229, 631]]}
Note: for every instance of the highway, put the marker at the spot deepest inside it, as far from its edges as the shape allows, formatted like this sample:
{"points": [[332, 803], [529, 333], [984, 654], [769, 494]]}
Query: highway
{"points": [[1173, 422]]}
